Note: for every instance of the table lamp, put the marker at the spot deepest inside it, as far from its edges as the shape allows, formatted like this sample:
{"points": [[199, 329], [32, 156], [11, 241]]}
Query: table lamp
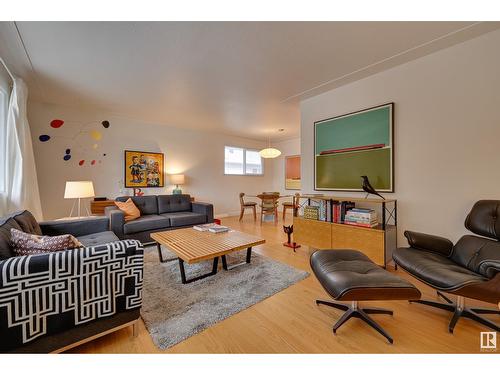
{"points": [[177, 179], [78, 190]]}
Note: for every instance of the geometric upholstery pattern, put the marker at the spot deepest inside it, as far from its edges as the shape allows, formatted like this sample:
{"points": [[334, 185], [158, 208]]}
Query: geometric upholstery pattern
{"points": [[48, 293]]}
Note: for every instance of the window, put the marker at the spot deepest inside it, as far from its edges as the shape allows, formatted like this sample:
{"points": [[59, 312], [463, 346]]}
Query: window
{"points": [[253, 162], [241, 161], [3, 135]]}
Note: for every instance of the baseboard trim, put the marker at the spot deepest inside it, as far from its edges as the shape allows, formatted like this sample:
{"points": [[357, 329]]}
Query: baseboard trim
{"points": [[237, 213]]}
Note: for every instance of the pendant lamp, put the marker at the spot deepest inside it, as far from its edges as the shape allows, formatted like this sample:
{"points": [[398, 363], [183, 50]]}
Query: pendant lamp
{"points": [[270, 152]]}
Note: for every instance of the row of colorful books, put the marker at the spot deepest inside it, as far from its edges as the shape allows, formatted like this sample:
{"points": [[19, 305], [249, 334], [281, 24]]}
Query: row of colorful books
{"points": [[340, 209], [344, 212], [362, 217]]}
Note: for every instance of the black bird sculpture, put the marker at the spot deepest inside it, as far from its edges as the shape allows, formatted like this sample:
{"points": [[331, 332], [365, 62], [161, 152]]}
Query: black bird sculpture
{"points": [[369, 188]]}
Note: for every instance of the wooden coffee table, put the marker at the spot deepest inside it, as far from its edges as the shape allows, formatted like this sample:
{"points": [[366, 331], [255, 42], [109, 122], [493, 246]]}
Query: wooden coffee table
{"points": [[192, 246]]}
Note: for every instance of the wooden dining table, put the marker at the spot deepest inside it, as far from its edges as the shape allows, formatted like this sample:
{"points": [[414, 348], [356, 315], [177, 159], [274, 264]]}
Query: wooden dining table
{"points": [[272, 206]]}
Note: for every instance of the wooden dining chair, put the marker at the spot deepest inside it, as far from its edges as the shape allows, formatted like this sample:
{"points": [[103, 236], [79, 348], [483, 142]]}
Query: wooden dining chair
{"points": [[244, 205], [269, 205], [293, 205]]}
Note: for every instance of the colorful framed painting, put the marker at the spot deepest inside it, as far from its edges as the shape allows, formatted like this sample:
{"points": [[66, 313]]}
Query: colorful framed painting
{"points": [[144, 169], [352, 145], [292, 172]]}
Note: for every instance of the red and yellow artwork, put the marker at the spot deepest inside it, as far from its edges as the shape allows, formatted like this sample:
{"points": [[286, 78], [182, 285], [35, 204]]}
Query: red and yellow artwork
{"points": [[144, 169], [292, 172]]}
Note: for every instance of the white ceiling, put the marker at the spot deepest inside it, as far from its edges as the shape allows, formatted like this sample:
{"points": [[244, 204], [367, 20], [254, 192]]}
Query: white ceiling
{"points": [[243, 78]]}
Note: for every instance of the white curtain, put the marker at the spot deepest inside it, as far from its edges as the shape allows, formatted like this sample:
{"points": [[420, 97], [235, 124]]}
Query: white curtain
{"points": [[21, 191]]}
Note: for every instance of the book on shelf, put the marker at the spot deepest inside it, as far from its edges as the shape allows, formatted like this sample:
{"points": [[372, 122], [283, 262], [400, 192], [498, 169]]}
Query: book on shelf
{"points": [[364, 213], [340, 209], [360, 220], [363, 217], [362, 210], [311, 212], [345, 206], [358, 224], [336, 212], [356, 215], [322, 210]]}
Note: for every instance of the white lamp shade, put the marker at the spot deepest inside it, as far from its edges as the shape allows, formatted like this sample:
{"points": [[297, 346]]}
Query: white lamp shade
{"points": [[177, 179], [269, 153], [79, 189]]}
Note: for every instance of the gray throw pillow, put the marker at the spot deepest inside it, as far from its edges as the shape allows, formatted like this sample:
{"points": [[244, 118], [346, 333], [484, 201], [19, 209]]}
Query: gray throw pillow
{"points": [[31, 244]]}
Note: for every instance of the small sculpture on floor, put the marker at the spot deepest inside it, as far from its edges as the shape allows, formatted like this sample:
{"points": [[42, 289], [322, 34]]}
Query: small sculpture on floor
{"points": [[289, 230]]}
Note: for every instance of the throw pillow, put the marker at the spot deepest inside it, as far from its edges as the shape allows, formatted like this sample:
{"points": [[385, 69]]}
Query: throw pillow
{"points": [[31, 244], [6, 250], [129, 208]]}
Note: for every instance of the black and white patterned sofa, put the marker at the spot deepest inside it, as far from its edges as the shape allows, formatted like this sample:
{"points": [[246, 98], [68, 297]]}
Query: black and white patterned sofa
{"points": [[51, 302]]}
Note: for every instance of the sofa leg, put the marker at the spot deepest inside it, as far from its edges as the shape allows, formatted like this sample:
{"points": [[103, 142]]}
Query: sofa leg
{"points": [[135, 328]]}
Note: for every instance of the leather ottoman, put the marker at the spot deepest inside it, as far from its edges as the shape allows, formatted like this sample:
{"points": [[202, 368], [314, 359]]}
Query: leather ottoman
{"points": [[349, 275]]}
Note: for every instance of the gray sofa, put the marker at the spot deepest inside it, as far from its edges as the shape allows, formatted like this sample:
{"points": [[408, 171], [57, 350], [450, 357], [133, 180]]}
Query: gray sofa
{"points": [[158, 213], [49, 302]]}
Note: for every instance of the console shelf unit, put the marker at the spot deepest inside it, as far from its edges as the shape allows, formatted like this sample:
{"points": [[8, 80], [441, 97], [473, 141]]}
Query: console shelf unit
{"points": [[377, 243]]}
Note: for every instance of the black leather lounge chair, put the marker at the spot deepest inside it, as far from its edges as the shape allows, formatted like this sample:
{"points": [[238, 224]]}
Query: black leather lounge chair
{"points": [[470, 268]]}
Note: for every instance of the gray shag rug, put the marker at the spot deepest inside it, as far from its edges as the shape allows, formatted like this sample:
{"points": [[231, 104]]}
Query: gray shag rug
{"points": [[173, 311]]}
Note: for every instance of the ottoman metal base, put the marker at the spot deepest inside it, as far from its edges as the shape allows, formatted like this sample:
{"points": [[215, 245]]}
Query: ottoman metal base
{"points": [[353, 311]]}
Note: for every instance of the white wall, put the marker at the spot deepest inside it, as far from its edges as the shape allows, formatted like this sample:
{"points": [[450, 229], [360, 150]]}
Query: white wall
{"points": [[447, 132], [199, 155]]}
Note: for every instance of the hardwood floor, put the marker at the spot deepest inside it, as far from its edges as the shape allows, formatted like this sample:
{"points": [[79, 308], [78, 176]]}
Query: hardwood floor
{"points": [[290, 321]]}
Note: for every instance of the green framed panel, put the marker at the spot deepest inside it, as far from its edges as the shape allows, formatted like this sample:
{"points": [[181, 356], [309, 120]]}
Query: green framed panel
{"points": [[349, 146]]}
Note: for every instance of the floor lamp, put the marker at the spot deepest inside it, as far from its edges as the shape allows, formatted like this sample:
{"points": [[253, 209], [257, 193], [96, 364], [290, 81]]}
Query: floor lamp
{"points": [[78, 190]]}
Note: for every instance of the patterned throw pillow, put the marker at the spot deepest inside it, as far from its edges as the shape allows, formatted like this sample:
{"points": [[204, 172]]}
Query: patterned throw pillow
{"points": [[30, 244]]}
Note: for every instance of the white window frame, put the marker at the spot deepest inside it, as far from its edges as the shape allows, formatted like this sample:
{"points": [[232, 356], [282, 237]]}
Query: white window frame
{"points": [[244, 162]]}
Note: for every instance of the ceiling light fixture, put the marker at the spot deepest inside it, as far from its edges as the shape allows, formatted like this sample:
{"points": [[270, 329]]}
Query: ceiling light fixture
{"points": [[270, 152]]}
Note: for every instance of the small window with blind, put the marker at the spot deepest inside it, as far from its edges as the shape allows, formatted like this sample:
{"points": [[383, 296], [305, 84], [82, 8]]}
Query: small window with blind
{"points": [[240, 161]]}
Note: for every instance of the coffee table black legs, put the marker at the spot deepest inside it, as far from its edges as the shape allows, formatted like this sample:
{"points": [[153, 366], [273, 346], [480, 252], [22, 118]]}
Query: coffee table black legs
{"points": [[248, 259], [183, 272], [214, 266], [161, 255]]}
